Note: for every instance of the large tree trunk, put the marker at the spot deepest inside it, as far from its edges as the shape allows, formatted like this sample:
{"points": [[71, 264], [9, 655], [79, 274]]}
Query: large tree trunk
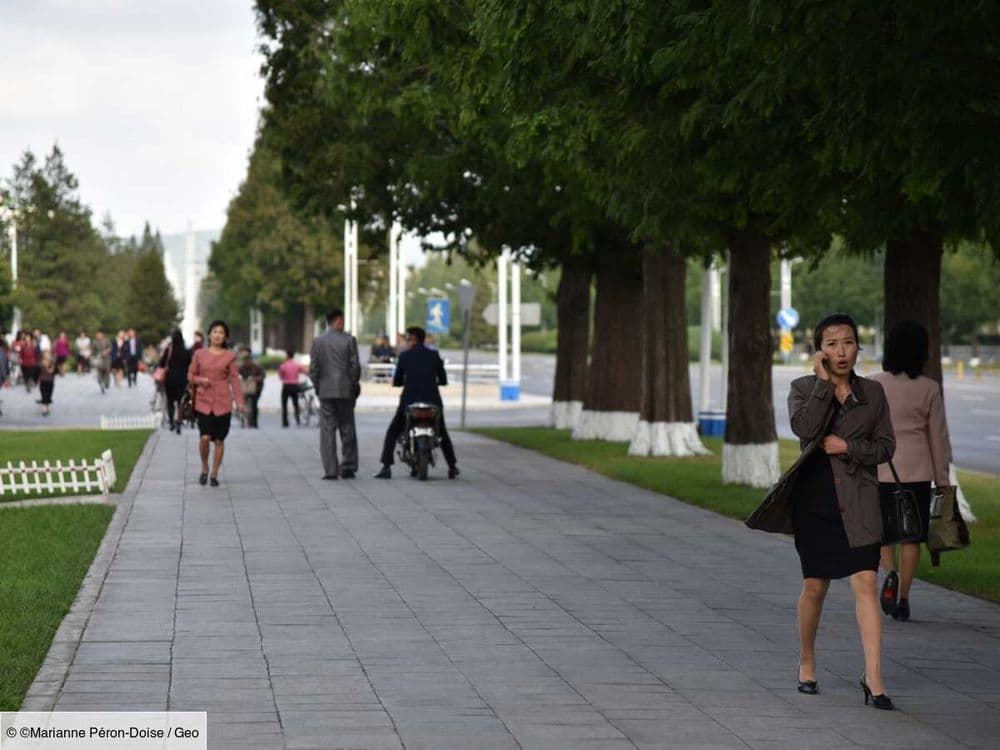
{"points": [[666, 426], [750, 452], [912, 280], [611, 405], [572, 346]]}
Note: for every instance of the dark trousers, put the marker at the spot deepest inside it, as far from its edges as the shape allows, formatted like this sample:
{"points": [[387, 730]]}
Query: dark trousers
{"points": [[252, 409], [396, 427], [289, 391], [337, 415], [132, 371], [175, 392]]}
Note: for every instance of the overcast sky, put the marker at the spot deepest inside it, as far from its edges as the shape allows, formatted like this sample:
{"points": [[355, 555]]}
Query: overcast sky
{"points": [[154, 104]]}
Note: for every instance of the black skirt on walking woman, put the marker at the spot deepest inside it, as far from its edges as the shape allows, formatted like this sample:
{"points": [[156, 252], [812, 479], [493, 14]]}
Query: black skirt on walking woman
{"points": [[820, 539]]}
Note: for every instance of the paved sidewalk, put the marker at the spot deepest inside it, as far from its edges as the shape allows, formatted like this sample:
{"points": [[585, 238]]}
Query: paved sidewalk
{"points": [[529, 604]]}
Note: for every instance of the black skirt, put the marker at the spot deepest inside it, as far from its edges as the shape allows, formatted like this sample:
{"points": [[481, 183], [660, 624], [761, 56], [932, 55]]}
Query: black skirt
{"points": [[216, 426], [922, 493], [820, 539]]}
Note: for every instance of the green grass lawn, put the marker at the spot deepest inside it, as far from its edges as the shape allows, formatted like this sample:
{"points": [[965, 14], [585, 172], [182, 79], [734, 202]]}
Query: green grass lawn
{"points": [[697, 481], [44, 556], [47, 445]]}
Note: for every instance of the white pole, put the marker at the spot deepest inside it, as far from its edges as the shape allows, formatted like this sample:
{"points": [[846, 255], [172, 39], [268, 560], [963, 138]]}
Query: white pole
{"points": [[502, 314], [707, 306], [725, 332], [786, 284], [515, 321], [16, 322], [390, 313], [400, 284], [355, 304], [348, 237]]}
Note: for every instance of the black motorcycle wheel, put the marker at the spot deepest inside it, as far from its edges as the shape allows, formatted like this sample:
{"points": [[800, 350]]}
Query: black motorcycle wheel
{"points": [[423, 457]]}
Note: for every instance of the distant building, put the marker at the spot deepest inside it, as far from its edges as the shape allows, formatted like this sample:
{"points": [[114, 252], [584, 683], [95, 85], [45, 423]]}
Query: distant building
{"points": [[185, 261]]}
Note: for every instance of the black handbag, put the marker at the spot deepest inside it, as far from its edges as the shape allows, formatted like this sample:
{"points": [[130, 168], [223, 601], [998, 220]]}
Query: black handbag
{"points": [[900, 514]]}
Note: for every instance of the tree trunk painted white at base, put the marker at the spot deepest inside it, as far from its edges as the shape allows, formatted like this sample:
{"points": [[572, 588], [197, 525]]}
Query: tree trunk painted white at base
{"points": [[754, 465], [666, 439], [565, 415], [616, 426]]}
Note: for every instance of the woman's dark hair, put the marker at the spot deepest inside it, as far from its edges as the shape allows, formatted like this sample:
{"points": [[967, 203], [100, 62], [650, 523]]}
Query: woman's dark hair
{"points": [[221, 324], [906, 349], [177, 340], [834, 319], [290, 353]]}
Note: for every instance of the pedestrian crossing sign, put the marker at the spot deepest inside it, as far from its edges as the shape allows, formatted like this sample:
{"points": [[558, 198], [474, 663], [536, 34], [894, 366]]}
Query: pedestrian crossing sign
{"points": [[438, 316]]}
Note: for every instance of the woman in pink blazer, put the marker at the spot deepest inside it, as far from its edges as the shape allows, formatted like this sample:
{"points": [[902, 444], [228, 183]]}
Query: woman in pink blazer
{"points": [[214, 373], [923, 450]]}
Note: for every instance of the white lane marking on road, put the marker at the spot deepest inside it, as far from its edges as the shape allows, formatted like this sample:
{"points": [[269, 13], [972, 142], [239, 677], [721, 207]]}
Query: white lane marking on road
{"points": [[972, 398], [994, 438], [987, 412]]}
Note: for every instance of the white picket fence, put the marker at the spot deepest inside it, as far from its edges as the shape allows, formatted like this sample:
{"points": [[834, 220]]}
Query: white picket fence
{"points": [[49, 476], [137, 422]]}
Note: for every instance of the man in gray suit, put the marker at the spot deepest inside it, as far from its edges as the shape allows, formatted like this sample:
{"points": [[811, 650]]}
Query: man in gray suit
{"points": [[335, 371]]}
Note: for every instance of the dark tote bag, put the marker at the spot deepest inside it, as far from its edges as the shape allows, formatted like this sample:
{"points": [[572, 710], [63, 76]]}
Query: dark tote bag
{"points": [[900, 514]]}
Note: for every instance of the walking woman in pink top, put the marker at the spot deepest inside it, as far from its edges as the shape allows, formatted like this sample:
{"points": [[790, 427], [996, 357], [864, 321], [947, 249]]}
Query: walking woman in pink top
{"points": [[214, 373], [923, 450]]}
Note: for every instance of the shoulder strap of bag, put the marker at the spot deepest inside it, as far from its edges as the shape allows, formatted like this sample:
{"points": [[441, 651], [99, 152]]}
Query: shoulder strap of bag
{"points": [[895, 476]]}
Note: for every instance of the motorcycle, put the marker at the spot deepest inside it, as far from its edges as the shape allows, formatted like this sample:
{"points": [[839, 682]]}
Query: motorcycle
{"points": [[419, 438]]}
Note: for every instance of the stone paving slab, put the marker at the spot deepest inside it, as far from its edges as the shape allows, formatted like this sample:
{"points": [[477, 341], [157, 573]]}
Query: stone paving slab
{"points": [[530, 604]]}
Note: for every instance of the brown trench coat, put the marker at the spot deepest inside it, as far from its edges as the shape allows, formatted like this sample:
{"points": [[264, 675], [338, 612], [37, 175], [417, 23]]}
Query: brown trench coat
{"points": [[865, 426]]}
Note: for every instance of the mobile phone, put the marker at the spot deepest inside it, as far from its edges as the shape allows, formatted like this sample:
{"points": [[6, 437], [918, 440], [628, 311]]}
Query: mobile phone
{"points": [[826, 364]]}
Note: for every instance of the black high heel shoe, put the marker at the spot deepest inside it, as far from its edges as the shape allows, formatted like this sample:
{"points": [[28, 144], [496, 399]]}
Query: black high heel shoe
{"points": [[809, 687], [883, 701], [903, 610], [203, 478]]}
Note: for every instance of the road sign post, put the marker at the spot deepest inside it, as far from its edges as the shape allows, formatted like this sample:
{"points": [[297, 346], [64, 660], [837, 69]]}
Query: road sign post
{"points": [[466, 296]]}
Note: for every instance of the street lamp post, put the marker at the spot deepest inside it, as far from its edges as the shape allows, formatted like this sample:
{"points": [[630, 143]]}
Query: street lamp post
{"points": [[8, 214]]}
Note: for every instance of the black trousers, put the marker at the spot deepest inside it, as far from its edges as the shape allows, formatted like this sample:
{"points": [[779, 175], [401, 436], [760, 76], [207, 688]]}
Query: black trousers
{"points": [[252, 409], [396, 427], [175, 392], [132, 371], [289, 391]]}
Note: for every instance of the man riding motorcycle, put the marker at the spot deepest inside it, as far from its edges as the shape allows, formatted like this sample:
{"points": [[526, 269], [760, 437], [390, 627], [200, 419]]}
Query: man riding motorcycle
{"points": [[419, 371]]}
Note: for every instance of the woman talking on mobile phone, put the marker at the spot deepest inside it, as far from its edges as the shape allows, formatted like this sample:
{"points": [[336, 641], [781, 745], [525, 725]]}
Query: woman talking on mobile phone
{"points": [[836, 514]]}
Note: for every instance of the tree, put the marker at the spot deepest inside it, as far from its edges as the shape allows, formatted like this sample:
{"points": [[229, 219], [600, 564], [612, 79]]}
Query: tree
{"points": [[274, 257], [970, 277], [903, 116], [62, 279], [151, 309]]}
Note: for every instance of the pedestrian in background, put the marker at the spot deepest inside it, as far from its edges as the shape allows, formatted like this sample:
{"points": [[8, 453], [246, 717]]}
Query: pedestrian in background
{"points": [[62, 351], [289, 372], [923, 450], [215, 375], [100, 360], [29, 359], [118, 357], [843, 421], [335, 371], [46, 381], [133, 354], [83, 347], [4, 362], [175, 360], [252, 378]]}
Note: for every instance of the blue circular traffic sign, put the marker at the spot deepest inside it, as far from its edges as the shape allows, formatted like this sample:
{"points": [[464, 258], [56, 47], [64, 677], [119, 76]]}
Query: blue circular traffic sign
{"points": [[788, 318]]}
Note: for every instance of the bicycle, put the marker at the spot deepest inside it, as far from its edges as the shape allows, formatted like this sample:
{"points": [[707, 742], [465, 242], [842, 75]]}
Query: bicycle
{"points": [[310, 401]]}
